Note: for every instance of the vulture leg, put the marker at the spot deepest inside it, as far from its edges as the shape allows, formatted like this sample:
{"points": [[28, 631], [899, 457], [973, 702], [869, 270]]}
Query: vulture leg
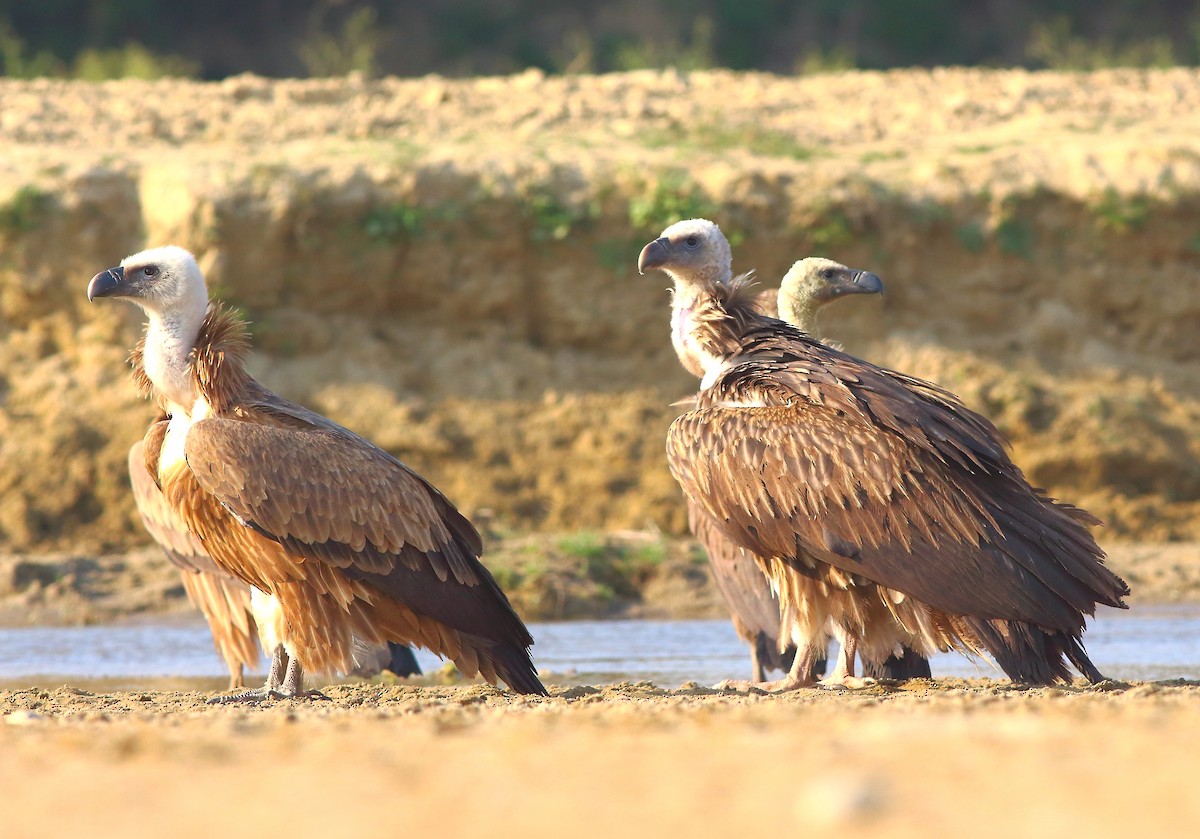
{"points": [[280, 663], [843, 673], [293, 684], [800, 676], [285, 680], [758, 673]]}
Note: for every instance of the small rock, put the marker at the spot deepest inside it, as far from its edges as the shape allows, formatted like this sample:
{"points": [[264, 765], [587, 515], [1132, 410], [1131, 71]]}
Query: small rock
{"points": [[23, 718]]}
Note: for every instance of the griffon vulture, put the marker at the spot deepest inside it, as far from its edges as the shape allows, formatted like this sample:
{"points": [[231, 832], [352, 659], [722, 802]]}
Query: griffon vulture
{"points": [[348, 541], [809, 285], [839, 473], [753, 606], [226, 602]]}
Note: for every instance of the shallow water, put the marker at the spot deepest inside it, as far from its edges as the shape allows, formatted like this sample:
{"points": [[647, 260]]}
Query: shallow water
{"points": [[1159, 642]]}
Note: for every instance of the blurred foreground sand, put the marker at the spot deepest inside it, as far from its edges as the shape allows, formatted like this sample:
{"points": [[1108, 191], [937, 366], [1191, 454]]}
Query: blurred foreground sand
{"points": [[916, 760]]}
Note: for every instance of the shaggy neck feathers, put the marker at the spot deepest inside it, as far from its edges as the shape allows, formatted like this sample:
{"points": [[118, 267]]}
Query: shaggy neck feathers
{"points": [[211, 366], [708, 320]]}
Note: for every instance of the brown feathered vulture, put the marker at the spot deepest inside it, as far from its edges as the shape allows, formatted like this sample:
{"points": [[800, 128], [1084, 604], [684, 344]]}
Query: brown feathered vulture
{"points": [[228, 604], [839, 473], [348, 541], [753, 605]]}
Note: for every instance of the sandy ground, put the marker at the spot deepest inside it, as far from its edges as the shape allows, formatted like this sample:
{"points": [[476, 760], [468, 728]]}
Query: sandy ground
{"points": [[918, 759]]}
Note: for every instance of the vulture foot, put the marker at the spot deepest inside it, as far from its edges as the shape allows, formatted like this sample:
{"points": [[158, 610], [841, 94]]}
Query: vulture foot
{"points": [[249, 697], [265, 694], [778, 686], [846, 683], [290, 686]]}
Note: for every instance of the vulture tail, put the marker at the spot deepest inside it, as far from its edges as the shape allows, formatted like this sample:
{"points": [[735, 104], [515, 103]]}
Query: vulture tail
{"points": [[1032, 655], [910, 664], [515, 667]]}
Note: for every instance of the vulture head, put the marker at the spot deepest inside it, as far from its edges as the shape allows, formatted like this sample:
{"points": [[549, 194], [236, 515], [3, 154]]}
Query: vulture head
{"points": [[164, 281], [691, 252], [813, 282]]}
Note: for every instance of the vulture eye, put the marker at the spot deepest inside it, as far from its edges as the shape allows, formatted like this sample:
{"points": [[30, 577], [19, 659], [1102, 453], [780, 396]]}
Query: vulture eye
{"points": [[691, 241], [150, 272], [827, 274]]}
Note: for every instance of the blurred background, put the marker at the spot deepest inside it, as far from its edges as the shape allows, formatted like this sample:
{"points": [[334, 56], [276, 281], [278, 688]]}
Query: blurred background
{"points": [[431, 212], [97, 39]]}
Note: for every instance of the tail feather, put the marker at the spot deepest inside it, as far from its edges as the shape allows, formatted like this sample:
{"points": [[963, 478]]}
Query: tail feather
{"points": [[515, 667], [1031, 655], [909, 664]]}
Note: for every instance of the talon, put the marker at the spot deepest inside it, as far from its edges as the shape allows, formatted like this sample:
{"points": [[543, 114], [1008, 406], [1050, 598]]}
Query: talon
{"points": [[250, 697], [846, 683]]}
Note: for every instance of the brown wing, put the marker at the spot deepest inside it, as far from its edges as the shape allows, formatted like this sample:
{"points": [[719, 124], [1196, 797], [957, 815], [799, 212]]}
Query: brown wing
{"points": [[223, 600], [325, 494], [806, 450], [741, 581]]}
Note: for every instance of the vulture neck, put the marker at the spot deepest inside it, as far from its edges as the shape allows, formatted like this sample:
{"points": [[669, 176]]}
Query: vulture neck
{"points": [[803, 317], [170, 340], [706, 322]]}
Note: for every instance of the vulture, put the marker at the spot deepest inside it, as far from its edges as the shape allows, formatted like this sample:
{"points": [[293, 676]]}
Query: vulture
{"points": [[227, 603], [878, 490], [809, 285], [344, 540]]}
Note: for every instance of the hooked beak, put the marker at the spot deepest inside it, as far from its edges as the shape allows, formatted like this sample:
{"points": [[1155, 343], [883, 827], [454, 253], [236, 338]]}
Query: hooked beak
{"points": [[865, 283], [654, 255], [106, 284]]}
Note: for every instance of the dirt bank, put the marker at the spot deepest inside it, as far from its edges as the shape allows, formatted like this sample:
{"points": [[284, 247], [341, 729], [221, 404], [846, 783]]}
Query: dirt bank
{"points": [[447, 267], [953, 758]]}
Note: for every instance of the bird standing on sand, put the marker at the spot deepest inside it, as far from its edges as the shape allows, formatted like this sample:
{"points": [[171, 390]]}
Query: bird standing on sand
{"points": [[838, 472], [237, 615], [808, 286], [349, 541]]}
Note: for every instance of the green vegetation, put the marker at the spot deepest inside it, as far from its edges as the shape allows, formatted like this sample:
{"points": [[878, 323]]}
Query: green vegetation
{"points": [[587, 574], [400, 222], [830, 230], [26, 210], [717, 137], [971, 236], [1117, 213], [552, 219], [476, 37], [1054, 45], [352, 48], [1015, 237], [876, 156], [132, 61], [129, 61], [673, 196], [394, 223]]}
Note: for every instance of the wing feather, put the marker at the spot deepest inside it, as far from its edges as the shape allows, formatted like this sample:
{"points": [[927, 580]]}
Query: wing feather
{"points": [[326, 494], [886, 477]]}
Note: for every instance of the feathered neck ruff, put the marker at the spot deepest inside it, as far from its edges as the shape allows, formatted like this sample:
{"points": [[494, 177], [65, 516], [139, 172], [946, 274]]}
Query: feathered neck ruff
{"points": [[217, 361], [718, 314]]}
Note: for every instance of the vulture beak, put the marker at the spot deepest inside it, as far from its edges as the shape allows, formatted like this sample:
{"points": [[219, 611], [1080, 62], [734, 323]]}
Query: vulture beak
{"points": [[654, 255], [859, 282], [866, 283], [106, 284]]}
